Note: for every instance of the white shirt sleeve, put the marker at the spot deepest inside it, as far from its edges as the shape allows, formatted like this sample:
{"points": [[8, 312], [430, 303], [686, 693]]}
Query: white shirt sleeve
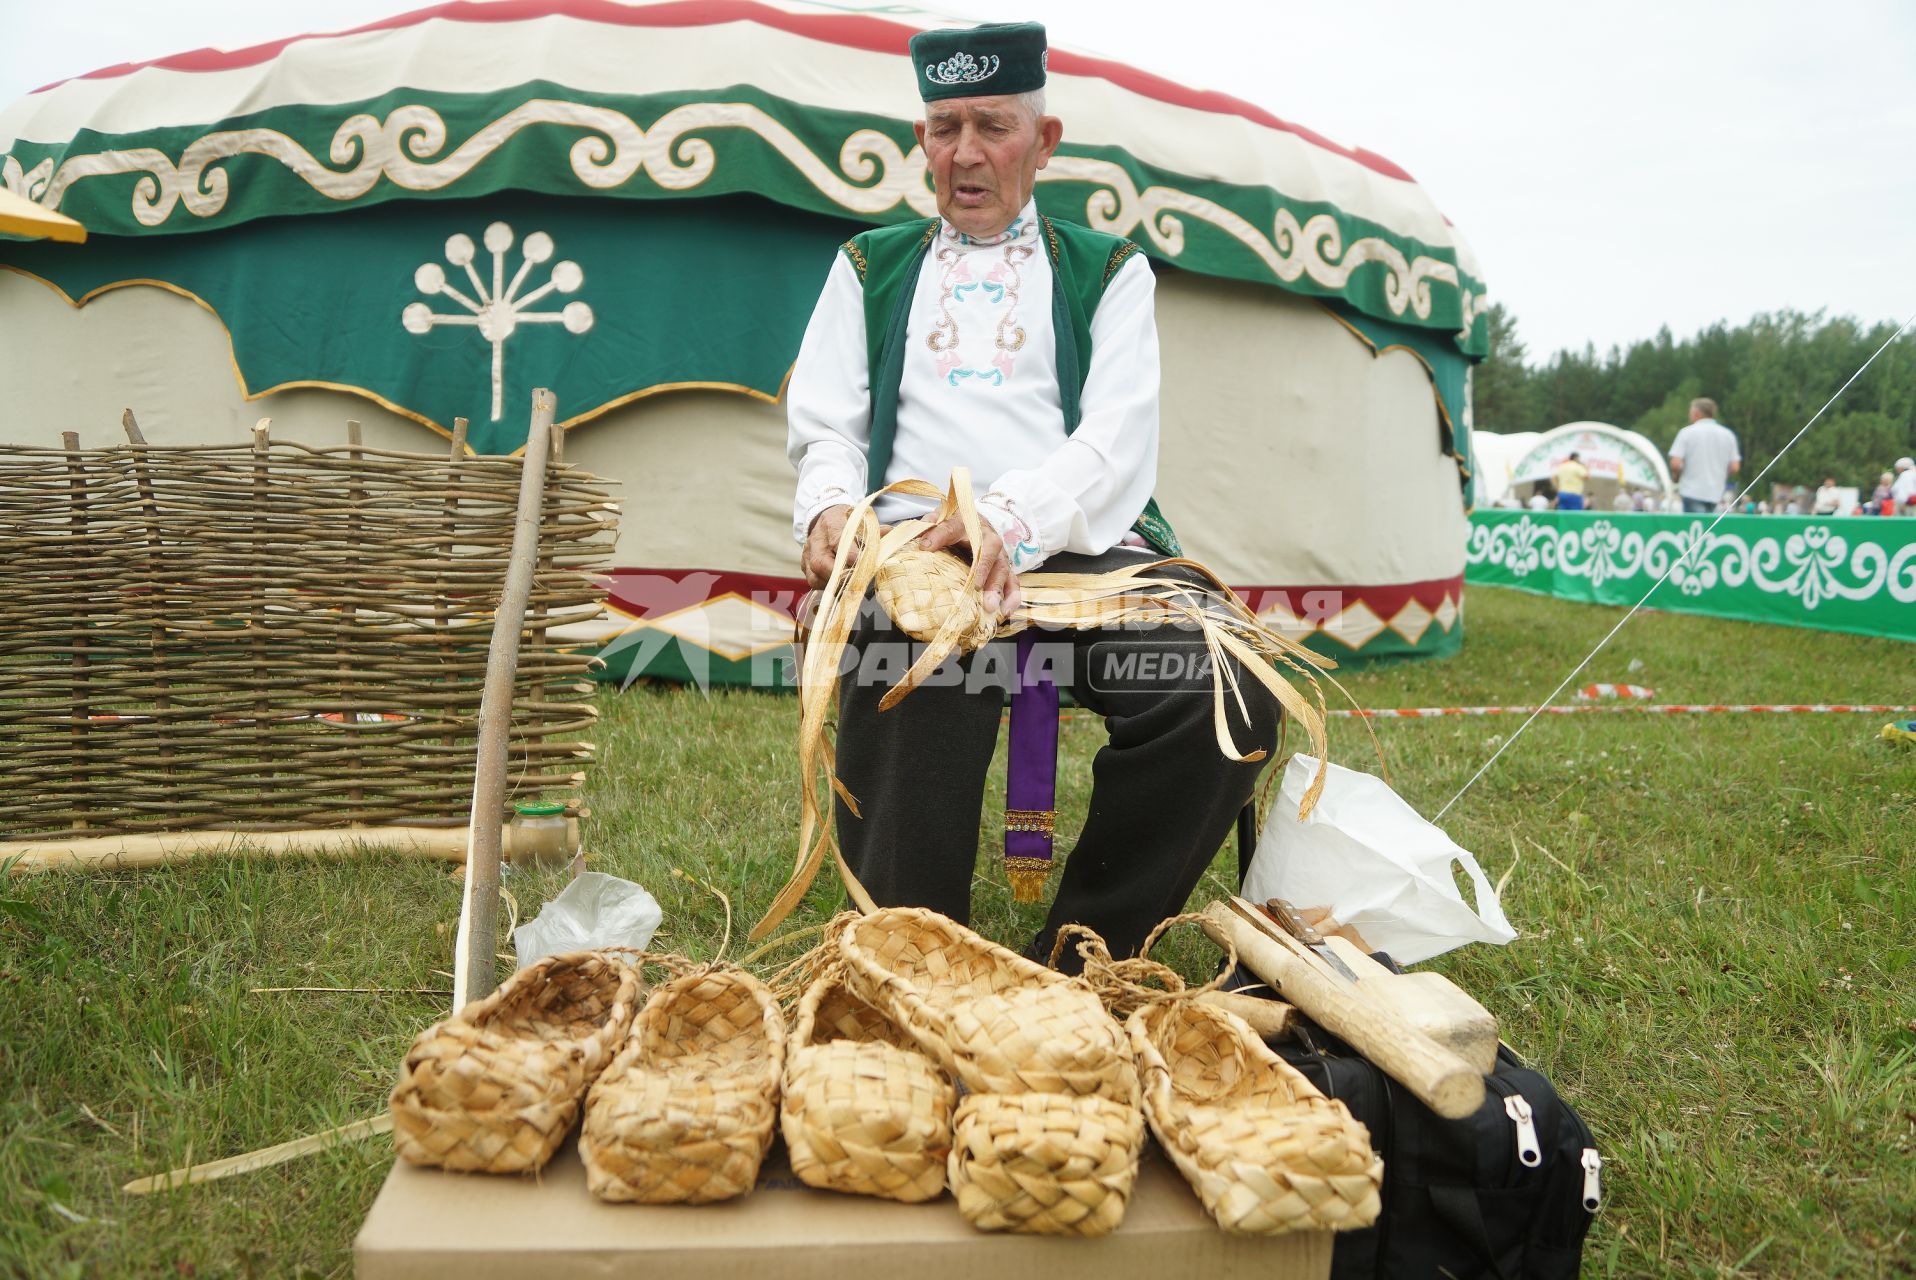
{"points": [[828, 401], [1679, 447], [1086, 495]]}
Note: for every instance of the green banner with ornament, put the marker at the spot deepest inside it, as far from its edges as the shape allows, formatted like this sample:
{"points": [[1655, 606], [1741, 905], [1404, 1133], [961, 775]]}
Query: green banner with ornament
{"points": [[1842, 573]]}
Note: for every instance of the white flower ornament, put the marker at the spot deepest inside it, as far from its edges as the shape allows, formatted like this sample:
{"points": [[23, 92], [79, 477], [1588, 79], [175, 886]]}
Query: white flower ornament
{"points": [[498, 311]]}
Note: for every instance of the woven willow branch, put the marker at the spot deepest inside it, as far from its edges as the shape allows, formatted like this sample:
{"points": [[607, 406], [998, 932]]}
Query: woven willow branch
{"points": [[932, 599], [274, 636]]}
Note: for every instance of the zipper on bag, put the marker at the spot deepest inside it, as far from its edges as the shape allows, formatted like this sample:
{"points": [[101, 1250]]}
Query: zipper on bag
{"points": [[1529, 1153], [1592, 1179]]}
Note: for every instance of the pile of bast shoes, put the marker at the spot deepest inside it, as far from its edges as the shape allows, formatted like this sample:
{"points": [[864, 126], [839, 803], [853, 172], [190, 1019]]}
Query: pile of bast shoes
{"points": [[923, 1055]]}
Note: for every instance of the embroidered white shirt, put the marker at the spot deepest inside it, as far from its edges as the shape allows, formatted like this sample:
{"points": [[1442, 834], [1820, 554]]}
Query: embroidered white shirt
{"points": [[980, 390]]}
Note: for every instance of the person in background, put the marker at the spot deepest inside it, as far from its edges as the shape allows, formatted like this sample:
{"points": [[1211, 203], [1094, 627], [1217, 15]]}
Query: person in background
{"points": [[1826, 497], [1623, 501], [1569, 476], [1798, 504], [1703, 458], [1902, 489], [1544, 497], [1883, 501]]}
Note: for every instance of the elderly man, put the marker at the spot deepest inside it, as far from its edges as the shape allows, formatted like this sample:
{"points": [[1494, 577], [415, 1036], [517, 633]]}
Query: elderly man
{"points": [[1024, 348]]}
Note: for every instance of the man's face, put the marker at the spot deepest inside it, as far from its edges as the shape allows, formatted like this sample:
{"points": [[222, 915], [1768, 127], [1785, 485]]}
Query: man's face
{"points": [[984, 155]]}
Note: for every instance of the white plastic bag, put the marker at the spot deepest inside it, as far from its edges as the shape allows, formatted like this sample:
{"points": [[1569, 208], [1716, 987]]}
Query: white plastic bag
{"points": [[1375, 863], [595, 910]]}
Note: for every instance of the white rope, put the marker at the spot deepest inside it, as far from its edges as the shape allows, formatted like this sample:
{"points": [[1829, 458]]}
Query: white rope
{"points": [[1696, 548]]}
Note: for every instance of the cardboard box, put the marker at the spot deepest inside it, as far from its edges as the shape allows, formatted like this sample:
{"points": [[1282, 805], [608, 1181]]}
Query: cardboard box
{"points": [[428, 1225]]}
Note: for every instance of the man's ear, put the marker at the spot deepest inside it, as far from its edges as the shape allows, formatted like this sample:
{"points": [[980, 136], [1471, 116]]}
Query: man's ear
{"points": [[918, 131], [1050, 133]]}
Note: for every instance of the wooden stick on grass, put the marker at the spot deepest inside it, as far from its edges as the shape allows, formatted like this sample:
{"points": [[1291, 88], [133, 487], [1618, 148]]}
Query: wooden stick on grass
{"points": [[261, 1159], [120, 853], [475, 953]]}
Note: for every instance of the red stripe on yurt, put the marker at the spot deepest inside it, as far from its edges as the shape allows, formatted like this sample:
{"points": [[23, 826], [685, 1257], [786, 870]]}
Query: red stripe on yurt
{"points": [[1385, 601], [641, 593], [645, 593], [856, 31]]}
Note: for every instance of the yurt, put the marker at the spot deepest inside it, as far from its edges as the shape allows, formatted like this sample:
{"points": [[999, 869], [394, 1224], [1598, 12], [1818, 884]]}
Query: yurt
{"points": [[636, 205]]}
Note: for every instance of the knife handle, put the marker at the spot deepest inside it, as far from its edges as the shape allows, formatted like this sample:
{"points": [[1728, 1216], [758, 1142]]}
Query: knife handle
{"points": [[1292, 923]]}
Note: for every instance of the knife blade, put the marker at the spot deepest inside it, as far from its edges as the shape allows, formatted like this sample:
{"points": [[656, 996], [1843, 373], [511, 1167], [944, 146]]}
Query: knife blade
{"points": [[1292, 923]]}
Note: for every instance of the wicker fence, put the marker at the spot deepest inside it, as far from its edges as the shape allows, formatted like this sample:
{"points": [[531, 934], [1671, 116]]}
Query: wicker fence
{"points": [[275, 636]]}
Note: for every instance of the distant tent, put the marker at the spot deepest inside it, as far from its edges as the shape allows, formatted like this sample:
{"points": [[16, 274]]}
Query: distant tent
{"points": [[1617, 458], [636, 205]]}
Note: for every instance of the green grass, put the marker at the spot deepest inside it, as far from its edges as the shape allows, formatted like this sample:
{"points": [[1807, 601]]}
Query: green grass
{"points": [[1715, 960]]}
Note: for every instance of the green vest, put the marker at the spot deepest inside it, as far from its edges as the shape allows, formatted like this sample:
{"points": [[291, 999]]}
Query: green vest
{"points": [[888, 261]]}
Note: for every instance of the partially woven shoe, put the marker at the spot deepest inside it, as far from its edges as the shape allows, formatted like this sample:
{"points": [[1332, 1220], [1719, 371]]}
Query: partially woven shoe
{"points": [[685, 1112], [1264, 1150], [1045, 1163], [863, 1110], [991, 1018], [495, 1088]]}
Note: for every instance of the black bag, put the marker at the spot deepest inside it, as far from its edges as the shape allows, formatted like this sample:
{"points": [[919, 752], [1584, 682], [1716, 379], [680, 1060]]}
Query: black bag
{"points": [[1506, 1194]]}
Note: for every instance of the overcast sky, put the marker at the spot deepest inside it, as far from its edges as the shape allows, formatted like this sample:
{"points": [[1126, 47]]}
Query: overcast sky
{"points": [[1617, 165]]}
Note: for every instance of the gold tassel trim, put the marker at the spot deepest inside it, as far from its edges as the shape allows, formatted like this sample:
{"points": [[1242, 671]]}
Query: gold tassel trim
{"points": [[1027, 876]]}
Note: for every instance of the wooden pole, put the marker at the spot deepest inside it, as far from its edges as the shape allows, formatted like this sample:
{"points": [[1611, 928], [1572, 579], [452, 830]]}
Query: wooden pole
{"points": [[475, 954], [1439, 1078], [134, 852], [537, 623]]}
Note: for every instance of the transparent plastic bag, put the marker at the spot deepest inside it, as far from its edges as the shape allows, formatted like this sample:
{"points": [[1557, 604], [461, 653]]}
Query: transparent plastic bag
{"points": [[595, 910], [1378, 865]]}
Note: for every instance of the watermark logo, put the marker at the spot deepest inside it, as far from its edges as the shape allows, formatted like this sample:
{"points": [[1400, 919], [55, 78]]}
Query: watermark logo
{"points": [[641, 649]]}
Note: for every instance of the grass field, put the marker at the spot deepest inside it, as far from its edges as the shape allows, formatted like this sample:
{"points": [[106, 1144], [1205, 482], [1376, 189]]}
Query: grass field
{"points": [[1715, 966]]}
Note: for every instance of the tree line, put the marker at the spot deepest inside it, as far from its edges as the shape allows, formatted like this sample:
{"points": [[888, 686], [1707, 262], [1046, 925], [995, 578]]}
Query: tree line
{"points": [[1768, 376]]}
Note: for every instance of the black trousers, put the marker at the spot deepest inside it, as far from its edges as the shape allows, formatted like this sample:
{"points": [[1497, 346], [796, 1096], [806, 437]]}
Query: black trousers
{"points": [[1164, 797]]}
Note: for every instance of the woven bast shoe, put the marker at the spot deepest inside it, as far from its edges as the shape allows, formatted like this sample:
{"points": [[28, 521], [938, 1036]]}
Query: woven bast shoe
{"points": [[863, 1110], [684, 1114], [495, 1088], [1264, 1150], [991, 1018], [1045, 1163]]}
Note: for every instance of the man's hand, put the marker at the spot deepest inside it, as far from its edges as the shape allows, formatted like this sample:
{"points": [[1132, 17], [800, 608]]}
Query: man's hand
{"points": [[990, 563], [821, 546]]}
